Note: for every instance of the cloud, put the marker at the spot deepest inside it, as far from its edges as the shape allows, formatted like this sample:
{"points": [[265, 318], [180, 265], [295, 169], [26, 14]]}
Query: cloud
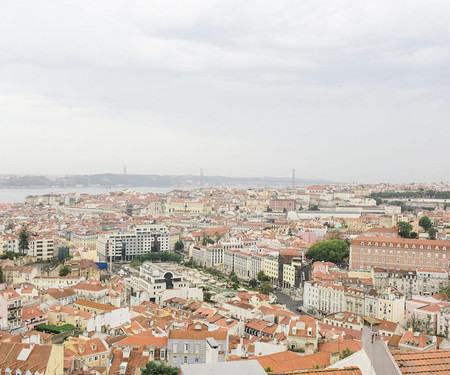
{"points": [[338, 89]]}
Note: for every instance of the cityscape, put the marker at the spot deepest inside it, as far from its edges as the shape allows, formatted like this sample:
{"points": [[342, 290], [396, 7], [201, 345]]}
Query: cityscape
{"points": [[347, 278], [224, 187]]}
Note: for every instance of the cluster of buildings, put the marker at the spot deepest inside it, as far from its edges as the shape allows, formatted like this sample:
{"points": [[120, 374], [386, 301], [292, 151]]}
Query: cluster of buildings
{"points": [[74, 301]]}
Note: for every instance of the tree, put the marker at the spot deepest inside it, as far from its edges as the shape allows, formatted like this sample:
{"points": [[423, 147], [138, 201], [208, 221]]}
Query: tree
{"points": [[328, 251], [262, 276], [285, 210], [432, 233], [236, 208], [64, 270], [425, 223], [23, 240], [268, 209], [266, 287], [290, 232], [207, 296], [253, 283], [404, 229], [314, 208], [153, 368], [235, 285], [1, 276], [179, 246], [233, 277], [268, 369], [346, 352], [413, 235]]}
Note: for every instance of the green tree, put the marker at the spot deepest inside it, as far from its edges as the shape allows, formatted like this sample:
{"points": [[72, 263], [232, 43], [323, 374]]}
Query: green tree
{"points": [[290, 232], [425, 223], [432, 233], [179, 245], [153, 368], [413, 235], [346, 352], [135, 263], [404, 229], [1, 276], [262, 276], [64, 270], [314, 208], [23, 240], [268, 369], [253, 283], [236, 208], [266, 287], [207, 296], [328, 251], [235, 285], [285, 210], [268, 209], [233, 277]]}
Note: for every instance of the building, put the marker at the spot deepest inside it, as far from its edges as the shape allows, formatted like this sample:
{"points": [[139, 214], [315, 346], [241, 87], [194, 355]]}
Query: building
{"points": [[152, 281], [10, 310], [139, 240], [196, 346], [40, 248], [279, 205], [374, 249]]}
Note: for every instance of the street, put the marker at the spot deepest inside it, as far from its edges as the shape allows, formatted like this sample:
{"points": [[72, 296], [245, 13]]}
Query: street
{"points": [[290, 303]]}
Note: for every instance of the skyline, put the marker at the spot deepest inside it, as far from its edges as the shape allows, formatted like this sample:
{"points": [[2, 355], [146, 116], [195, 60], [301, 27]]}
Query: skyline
{"points": [[344, 91]]}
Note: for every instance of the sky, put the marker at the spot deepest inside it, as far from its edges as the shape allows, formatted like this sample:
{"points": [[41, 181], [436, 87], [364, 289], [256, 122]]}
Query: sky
{"points": [[343, 90]]}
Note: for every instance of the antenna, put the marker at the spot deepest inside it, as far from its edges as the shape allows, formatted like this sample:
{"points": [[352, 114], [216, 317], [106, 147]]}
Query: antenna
{"points": [[201, 177], [293, 178]]}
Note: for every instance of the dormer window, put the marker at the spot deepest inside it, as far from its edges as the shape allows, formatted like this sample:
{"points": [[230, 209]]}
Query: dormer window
{"points": [[406, 246], [362, 243], [376, 243]]}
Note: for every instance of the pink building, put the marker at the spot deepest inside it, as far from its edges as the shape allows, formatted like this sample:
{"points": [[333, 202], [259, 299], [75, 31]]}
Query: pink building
{"points": [[32, 316], [379, 250], [10, 310]]}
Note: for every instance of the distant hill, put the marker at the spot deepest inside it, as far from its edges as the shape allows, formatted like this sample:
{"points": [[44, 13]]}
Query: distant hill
{"points": [[138, 180]]}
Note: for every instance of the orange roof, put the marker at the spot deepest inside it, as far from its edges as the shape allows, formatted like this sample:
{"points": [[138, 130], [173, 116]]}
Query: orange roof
{"points": [[423, 362], [145, 338], [197, 335], [290, 361]]}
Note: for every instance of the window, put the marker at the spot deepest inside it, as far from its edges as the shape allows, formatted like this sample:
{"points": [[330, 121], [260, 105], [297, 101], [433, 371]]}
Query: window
{"points": [[103, 356], [90, 359], [185, 359], [96, 358], [186, 348]]}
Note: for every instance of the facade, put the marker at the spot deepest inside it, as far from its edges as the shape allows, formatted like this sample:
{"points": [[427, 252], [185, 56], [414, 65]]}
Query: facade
{"points": [[153, 280], [279, 205], [196, 346], [10, 310], [209, 256], [41, 248], [141, 239], [372, 250]]}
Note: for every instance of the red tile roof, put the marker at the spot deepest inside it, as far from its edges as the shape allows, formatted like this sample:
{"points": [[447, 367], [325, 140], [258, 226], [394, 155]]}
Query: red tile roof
{"points": [[423, 362]]}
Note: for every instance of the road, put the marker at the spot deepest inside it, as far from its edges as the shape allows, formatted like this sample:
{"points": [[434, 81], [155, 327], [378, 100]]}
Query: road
{"points": [[291, 304]]}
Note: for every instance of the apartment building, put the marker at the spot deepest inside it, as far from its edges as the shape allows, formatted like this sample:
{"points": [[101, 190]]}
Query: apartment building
{"points": [[40, 248], [279, 205], [327, 298], [196, 346], [418, 282], [375, 249], [141, 239], [209, 256], [10, 310]]}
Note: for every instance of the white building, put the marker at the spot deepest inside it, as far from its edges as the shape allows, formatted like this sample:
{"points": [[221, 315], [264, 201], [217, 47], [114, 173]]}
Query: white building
{"points": [[141, 239]]}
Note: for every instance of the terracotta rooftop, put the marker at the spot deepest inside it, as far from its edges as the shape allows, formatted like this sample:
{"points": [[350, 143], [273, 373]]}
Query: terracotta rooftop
{"points": [[424, 362]]}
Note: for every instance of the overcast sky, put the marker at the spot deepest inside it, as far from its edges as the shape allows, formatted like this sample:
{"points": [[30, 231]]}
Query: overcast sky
{"points": [[342, 90]]}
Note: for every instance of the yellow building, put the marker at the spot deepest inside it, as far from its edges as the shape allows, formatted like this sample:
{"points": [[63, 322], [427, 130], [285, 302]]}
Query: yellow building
{"points": [[60, 315], [91, 352], [270, 267]]}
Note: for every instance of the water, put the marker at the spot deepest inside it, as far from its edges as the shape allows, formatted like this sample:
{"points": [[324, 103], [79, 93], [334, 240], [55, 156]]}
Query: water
{"points": [[18, 195]]}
